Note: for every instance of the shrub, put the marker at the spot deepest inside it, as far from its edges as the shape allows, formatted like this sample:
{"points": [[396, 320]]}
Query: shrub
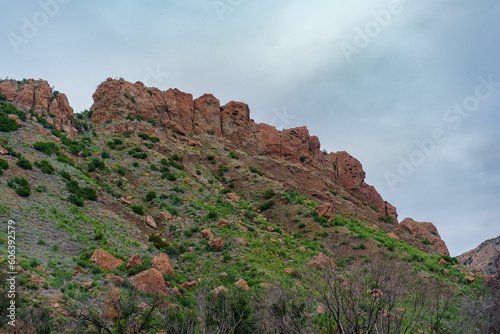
{"points": [[45, 166], [268, 194], [211, 158], [40, 188], [137, 153], [21, 186], [4, 164], [65, 159], [88, 193], [73, 187], [145, 136], [233, 155], [65, 175], [24, 163], [7, 124], [303, 158], [46, 147], [150, 196], [105, 155], [138, 209], [255, 170], [3, 97], [120, 170], [174, 162], [75, 199], [266, 205]]}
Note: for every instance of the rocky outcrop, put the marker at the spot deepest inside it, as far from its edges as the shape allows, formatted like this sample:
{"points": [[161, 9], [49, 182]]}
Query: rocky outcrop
{"points": [[36, 97], [482, 258], [427, 233], [349, 171], [174, 112]]}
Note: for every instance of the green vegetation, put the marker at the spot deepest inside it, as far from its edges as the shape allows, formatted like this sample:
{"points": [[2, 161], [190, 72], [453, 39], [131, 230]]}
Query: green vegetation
{"points": [[145, 136], [8, 124], [45, 166], [46, 147], [138, 153], [24, 163], [20, 185], [255, 170]]}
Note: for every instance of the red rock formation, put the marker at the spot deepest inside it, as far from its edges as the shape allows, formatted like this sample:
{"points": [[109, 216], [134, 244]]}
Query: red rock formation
{"points": [[36, 97], [177, 112], [349, 171], [163, 264], [149, 281], [105, 260], [427, 232]]}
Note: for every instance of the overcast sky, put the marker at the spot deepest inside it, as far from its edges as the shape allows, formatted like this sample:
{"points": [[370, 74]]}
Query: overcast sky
{"points": [[407, 87]]}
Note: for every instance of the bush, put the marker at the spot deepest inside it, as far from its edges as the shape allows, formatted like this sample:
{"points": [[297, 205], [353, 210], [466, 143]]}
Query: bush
{"points": [[21, 186], [75, 199], [137, 153], [46, 147], [268, 194], [7, 124], [4, 164], [45, 167], [65, 159], [88, 193], [303, 158], [145, 136], [105, 155], [266, 205], [138, 209], [255, 170], [233, 155], [150, 196], [65, 175], [24, 163]]}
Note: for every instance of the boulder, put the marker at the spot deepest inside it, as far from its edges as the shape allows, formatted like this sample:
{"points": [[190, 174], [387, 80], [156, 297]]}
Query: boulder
{"points": [[325, 210], [149, 281], [151, 222], [163, 264], [164, 216], [233, 197], [321, 261], [207, 234], [105, 260], [116, 280], [134, 261], [241, 283]]}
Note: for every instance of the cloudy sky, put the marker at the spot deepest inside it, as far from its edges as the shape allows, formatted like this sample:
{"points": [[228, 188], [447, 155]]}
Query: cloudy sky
{"points": [[410, 88]]}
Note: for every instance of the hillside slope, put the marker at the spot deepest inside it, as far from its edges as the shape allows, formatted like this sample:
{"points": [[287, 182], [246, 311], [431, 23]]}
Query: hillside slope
{"points": [[169, 201]]}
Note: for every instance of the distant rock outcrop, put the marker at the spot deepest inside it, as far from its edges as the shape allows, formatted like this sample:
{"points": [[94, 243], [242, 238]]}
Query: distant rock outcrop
{"points": [[427, 232], [482, 258], [36, 97]]}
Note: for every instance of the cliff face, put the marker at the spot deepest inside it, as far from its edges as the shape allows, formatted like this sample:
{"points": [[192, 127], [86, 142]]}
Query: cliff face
{"points": [[485, 258], [178, 113], [36, 97]]}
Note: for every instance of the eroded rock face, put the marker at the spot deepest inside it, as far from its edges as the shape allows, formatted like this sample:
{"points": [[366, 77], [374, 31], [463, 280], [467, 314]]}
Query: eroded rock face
{"points": [[349, 171], [36, 97], [176, 112], [426, 232]]}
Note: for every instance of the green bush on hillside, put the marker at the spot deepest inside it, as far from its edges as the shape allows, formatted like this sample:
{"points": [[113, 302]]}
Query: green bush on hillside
{"points": [[24, 163]]}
